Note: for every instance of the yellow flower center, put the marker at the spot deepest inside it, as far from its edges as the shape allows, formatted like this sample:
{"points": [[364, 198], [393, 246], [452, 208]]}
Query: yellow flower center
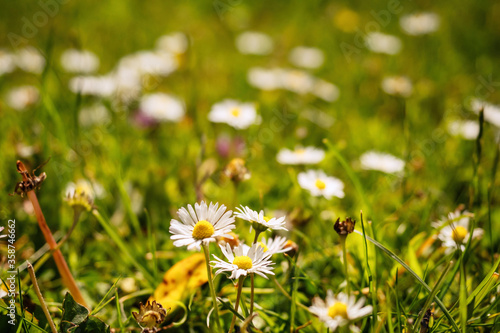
{"points": [[235, 112], [300, 151], [338, 309], [264, 246], [243, 262], [266, 218], [459, 234], [320, 184], [203, 229]]}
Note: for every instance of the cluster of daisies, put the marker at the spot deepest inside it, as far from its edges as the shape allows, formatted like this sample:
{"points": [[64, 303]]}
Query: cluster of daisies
{"points": [[203, 224]]}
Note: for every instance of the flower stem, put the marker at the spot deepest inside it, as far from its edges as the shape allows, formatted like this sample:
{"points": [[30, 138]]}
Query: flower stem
{"points": [[236, 305], [344, 256], [31, 272], [61, 264], [206, 250], [257, 233], [251, 293]]}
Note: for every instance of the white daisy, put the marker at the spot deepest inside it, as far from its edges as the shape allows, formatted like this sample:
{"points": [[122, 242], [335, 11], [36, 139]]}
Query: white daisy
{"points": [[275, 245], [467, 129], [21, 98], [175, 43], [319, 184], [306, 155], [234, 113], [162, 107], [456, 231], [102, 86], [92, 190], [266, 79], [79, 61], [30, 60], [325, 90], [244, 260], [397, 85], [251, 42], [306, 57], [96, 114], [259, 220], [387, 163], [382, 43], [419, 23], [201, 225], [340, 310], [297, 81], [491, 111]]}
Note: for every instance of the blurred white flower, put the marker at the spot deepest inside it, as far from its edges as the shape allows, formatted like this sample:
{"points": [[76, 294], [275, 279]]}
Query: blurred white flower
{"points": [[383, 43], [128, 83], [419, 23], [387, 163], [21, 98], [340, 310], [397, 85], [7, 62], [150, 63], [251, 42], [234, 113], [79, 61], [325, 90], [259, 220], [297, 81], [103, 86], [456, 231], [265, 79], [176, 43], [306, 57], [243, 260], [491, 111], [467, 129], [275, 245], [162, 107], [319, 184], [96, 114], [306, 155], [30, 60]]}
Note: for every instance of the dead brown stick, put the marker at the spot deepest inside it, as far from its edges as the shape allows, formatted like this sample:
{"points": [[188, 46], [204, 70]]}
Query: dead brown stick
{"points": [[61, 264]]}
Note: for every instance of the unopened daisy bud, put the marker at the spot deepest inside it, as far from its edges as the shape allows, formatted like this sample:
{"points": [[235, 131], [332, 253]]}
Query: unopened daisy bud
{"points": [[150, 316], [236, 170], [345, 227], [81, 198]]}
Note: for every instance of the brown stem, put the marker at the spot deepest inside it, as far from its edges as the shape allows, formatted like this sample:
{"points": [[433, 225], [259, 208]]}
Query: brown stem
{"points": [[31, 272], [61, 264]]}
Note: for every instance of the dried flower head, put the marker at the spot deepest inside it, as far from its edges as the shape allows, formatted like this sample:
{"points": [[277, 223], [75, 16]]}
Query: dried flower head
{"points": [[236, 170], [345, 227], [150, 316]]}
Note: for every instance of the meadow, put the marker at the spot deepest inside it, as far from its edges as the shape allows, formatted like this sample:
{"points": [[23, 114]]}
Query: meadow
{"points": [[249, 166]]}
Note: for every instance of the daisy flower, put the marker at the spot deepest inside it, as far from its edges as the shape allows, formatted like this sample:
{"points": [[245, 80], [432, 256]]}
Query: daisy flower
{"points": [[259, 221], [306, 57], [307, 155], [340, 310], [275, 245], [387, 163], [381, 43], [201, 225], [456, 233], [319, 184], [1, 229], [397, 86], [23, 97], [419, 23], [29, 59], [76, 61], [251, 42], [467, 129], [491, 111], [234, 113], [162, 107], [243, 261]]}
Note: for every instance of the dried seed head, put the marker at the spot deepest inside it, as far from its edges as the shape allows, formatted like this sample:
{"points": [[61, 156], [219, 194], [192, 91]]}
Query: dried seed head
{"points": [[345, 227], [236, 170], [150, 316]]}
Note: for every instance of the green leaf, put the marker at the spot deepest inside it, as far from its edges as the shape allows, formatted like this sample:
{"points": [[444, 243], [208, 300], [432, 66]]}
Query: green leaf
{"points": [[73, 313]]}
